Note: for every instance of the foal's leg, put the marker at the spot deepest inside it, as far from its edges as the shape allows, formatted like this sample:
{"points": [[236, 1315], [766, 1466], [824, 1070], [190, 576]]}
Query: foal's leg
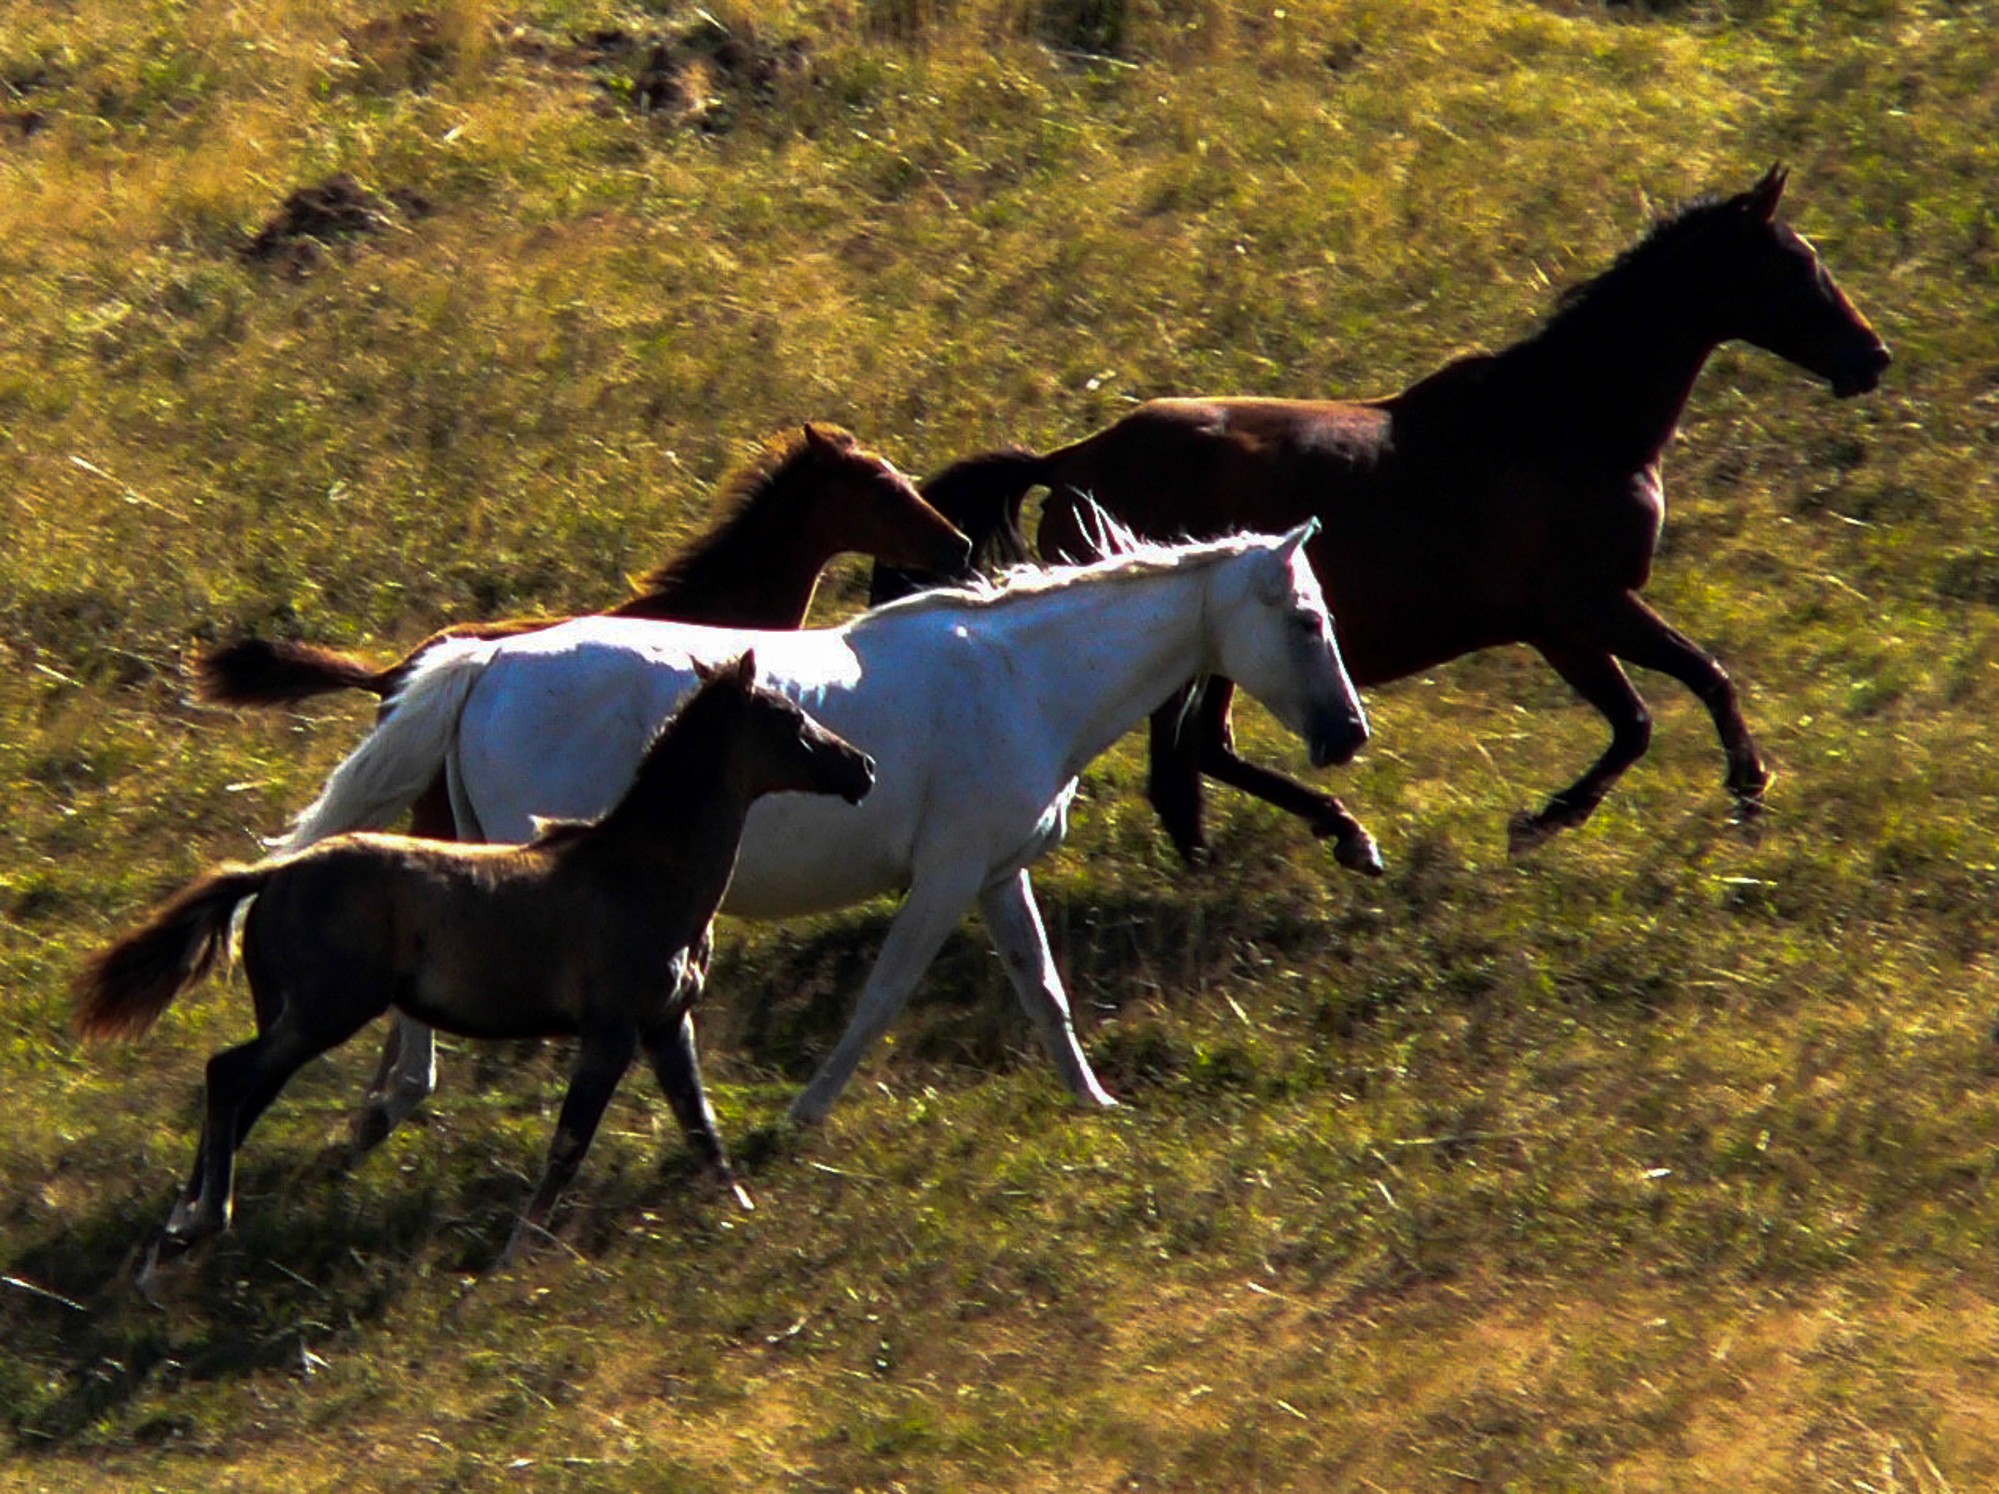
{"points": [[1599, 679], [1212, 741], [936, 902], [406, 1074], [241, 1083], [1014, 922], [678, 1068], [601, 1062]]}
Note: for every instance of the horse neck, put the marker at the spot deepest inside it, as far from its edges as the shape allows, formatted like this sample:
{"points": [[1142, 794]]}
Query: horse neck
{"points": [[757, 569], [683, 815], [1618, 367], [1098, 656]]}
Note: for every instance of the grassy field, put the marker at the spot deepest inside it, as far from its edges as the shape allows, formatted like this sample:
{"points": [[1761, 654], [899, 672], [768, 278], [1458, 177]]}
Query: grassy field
{"points": [[1661, 1159]]}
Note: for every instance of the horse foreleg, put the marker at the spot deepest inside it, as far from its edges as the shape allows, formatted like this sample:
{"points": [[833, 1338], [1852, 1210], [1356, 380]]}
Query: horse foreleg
{"points": [[1208, 736], [1173, 780], [1014, 922], [1597, 677], [601, 1062], [677, 1066], [1640, 636], [935, 904]]}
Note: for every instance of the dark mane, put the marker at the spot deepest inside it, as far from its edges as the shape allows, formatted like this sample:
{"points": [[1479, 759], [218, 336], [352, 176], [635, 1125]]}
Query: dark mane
{"points": [[742, 491], [1667, 237]]}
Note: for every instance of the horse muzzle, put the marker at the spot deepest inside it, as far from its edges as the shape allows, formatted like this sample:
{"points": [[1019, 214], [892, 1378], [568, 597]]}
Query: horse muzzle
{"points": [[1864, 375], [1335, 745], [858, 778]]}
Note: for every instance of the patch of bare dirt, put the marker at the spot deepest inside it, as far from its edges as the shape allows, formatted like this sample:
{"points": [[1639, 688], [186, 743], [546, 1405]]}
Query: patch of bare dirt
{"points": [[314, 219]]}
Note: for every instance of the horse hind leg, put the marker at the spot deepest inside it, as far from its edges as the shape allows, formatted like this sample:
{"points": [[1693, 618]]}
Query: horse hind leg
{"points": [[406, 1073], [1014, 924], [1598, 678]]}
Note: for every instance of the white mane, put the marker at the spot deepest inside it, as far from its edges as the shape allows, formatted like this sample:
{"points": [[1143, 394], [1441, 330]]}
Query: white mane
{"points": [[1125, 556]]}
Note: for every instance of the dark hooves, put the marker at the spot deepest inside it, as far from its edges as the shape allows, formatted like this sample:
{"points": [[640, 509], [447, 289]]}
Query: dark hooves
{"points": [[1527, 832], [1353, 847]]}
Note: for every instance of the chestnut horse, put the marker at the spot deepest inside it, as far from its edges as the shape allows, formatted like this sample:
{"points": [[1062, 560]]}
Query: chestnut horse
{"points": [[598, 930], [803, 502], [1512, 497]]}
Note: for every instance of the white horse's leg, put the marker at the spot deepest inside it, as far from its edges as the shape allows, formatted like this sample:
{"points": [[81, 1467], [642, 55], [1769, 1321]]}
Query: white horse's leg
{"points": [[404, 1079], [1014, 922], [932, 909]]}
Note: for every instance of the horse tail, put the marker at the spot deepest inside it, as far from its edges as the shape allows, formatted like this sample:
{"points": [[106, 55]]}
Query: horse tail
{"points": [[982, 495], [268, 672], [122, 990], [401, 757]]}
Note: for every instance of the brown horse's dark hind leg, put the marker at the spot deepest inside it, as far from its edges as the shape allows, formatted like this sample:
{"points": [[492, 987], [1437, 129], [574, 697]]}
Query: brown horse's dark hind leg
{"points": [[677, 1066], [392, 1093], [1597, 677], [1640, 636], [1203, 742], [601, 1062]]}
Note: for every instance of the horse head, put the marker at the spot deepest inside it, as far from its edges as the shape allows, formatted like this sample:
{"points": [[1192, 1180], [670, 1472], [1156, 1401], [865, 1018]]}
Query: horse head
{"points": [[1781, 298], [1276, 639]]}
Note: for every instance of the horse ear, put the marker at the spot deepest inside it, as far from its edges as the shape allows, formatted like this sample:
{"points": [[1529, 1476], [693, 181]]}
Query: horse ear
{"points": [[746, 668], [1762, 199], [706, 673]]}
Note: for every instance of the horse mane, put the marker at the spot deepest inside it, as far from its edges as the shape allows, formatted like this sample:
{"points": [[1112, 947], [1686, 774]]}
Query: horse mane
{"points": [[1128, 557], [742, 491], [1668, 235]]}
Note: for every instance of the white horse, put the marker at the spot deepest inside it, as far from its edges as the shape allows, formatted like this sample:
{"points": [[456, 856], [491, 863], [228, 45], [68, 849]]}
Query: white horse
{"points": [[979, 705]]}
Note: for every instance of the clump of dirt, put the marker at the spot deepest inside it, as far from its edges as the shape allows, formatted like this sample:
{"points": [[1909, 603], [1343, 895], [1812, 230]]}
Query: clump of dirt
{"points": [[313, 219], [702, 75]]}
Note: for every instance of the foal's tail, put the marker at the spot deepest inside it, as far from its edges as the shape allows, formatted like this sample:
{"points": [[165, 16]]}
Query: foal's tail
{"points": [[982, 496], [407, 749], [123, 990], [272, 672]]}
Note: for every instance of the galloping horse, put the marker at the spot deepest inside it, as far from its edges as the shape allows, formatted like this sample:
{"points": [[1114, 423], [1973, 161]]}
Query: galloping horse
{"points": [[980, 707], [803, 502], [1512, 497], [601, 930]]}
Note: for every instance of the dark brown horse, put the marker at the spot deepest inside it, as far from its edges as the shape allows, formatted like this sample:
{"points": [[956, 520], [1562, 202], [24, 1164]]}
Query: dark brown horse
{"points": [[1512, 497], [599, 931], [805, 501]]}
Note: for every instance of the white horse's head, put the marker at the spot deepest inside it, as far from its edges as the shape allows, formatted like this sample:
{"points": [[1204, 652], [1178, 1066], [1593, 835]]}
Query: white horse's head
{"points": [[1269, 631]]}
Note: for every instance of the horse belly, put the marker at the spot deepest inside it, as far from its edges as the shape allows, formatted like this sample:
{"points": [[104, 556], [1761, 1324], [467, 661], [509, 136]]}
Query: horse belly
{"points": [[807, 853]]}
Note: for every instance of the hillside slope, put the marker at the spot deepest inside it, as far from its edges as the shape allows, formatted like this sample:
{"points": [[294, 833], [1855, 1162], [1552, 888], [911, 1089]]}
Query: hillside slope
{"points": [[1659, 1159]]}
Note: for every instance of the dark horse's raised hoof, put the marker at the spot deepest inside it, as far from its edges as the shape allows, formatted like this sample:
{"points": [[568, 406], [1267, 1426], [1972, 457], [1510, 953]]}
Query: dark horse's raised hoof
{"points": [[1527, 831], [1353, 847]]}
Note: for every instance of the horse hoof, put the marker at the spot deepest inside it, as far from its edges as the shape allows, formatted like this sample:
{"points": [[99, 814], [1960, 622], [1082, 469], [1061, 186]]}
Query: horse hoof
{"points": [[1356, 851], [371, 1129], [1526, 832]]}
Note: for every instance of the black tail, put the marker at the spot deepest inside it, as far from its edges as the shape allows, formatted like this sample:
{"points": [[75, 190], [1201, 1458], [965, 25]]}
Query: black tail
{"points": [[264, 672], [982, 496], [123, 990]]}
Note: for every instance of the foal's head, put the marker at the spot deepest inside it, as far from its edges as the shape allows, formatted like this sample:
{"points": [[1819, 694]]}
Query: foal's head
{"points": [[1762, 282], [860, 502], [769, 744]]}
